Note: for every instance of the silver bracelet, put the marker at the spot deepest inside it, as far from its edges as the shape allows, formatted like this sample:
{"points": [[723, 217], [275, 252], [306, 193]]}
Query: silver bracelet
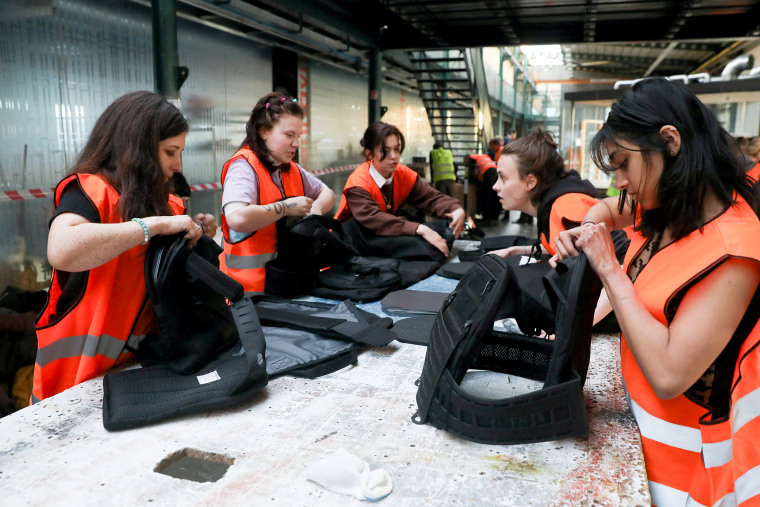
{"points": [[145, 229]]}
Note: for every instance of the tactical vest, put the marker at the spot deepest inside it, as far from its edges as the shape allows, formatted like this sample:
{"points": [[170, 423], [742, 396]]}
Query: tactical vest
{"points": [[692, 454], [106, 317], [245, 260]]}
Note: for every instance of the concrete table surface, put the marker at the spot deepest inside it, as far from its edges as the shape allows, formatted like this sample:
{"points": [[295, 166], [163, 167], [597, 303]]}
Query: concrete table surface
{"points": [[58, 453]]}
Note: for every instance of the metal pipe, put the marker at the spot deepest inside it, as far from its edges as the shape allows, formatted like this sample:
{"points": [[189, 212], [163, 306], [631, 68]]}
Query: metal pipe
{"points": [[165, 54], [736, 66]]}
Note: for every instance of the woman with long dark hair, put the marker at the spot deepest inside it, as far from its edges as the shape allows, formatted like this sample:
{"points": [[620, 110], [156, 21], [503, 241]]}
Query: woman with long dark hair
{"points": [[263, 184], [115, 198], [687, 297]]}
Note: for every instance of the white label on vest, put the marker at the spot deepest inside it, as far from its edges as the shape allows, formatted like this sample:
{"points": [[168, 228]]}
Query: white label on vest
{"points": [[526, 259], [208, 378]]}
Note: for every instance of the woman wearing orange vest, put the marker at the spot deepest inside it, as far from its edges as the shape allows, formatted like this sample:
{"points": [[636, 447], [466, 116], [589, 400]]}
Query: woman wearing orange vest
{"points": [[687, 297], [378, 188], [532, 179], [263, 184], [115, 198]]}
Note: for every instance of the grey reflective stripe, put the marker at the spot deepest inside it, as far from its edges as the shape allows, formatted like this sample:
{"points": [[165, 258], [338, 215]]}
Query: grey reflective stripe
{"points": [[666, 496], [745, 409], [134, 341], [35, 399], [717, 454], [250, 293], [727, 501], [248, 261], [84, 345], [690, 502], [748, 485], [668, 433]]}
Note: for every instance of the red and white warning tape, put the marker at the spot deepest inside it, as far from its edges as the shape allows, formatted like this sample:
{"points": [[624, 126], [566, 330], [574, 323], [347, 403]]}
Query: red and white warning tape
{"points": [[339, 169], [20, 195], [40, 193], [206, 186]]}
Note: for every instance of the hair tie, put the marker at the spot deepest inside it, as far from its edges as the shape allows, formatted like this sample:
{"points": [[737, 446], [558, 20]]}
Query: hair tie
{"points": [[267, 106], [282, 99]]}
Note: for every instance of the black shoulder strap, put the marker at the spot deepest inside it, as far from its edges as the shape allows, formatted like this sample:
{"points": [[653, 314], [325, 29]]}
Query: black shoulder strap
{"points": [[361, 332], [327, 366], [242, 309]]}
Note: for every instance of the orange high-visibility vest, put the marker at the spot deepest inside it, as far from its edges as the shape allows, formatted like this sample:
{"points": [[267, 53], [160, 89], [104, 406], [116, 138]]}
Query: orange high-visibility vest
{"points": [[245, 260], [403, 182], [754, 173], [110, 313], [688, 456], [483, 163], [567, 212]]}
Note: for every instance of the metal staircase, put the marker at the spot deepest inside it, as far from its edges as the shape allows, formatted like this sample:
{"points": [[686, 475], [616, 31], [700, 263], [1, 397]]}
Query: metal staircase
{"points": [[449, 89]]}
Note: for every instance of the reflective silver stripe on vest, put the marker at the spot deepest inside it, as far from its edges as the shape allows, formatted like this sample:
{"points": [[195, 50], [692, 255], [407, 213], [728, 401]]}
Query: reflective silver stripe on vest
{"points": [[248, 261], [668, 433], [748, 485], [250, 293], [134, 341], [84, 345], [717, 454], [665, 496], [745, 409]]}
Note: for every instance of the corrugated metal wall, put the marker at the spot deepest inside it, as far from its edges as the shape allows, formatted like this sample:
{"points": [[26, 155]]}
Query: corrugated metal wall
{"points": [[63, 61]]}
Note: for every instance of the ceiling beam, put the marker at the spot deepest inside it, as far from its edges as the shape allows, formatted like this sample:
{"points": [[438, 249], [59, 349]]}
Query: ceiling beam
{"points": [[665, 52]]}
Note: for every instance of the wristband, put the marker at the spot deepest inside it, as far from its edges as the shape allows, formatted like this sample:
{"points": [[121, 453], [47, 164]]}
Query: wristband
{"points": [[589, 222], [525, 250], [145, 229]]}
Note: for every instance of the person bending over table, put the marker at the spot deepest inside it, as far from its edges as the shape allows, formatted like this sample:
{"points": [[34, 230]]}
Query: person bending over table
{"points": [[378, 188], [687, 295], [113, 201], [532, 179], [261, 185]]}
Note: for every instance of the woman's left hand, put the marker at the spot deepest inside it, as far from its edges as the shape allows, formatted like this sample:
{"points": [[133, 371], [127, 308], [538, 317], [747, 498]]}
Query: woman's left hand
{"points": [[457, 221], [595, 241], [207, 221]]}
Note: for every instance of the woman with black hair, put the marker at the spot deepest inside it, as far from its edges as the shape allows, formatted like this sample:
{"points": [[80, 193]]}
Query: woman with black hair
{"points": [[687, 297], [531, 178], [262, 184], [115, 198], [379, 187]]}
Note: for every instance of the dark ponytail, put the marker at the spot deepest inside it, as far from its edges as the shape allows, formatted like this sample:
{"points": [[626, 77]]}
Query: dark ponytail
{"points": [[537, 154]]}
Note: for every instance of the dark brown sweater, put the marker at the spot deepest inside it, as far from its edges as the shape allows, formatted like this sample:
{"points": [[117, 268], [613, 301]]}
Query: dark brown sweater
{"points": [[422, 197]]}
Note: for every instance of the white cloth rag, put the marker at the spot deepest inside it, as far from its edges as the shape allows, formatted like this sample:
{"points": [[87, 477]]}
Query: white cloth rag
{"points": [[343, 472]]}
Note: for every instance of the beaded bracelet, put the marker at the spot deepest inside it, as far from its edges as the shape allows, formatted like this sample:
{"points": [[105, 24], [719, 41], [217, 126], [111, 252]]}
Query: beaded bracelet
{"points": [[145, 229]]}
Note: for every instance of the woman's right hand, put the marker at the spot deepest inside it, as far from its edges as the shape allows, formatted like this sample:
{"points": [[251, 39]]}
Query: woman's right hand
{"points": [[298, 206], [433, 238], [166, 225], [565, 244]]}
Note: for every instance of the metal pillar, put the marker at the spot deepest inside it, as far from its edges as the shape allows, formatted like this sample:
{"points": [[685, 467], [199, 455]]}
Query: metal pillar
{"points": [[375, 84], [514, 87], [500, 131], [165, 55]]}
